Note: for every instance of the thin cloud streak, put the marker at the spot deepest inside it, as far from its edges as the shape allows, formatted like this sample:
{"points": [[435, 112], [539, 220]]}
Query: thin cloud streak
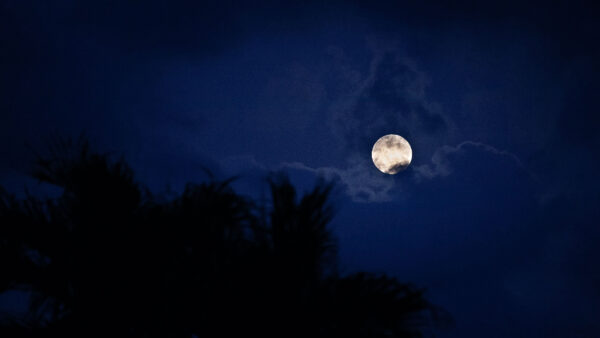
{"points": [[440, 164]]}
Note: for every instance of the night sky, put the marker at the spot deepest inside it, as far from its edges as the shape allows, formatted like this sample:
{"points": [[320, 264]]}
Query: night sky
{"points": [[497, 215]]}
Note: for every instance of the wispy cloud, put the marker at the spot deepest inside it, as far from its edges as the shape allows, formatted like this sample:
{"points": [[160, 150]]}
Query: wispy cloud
{"points": [[441, 165], [390, 96], [362, 182], [387, 96]]}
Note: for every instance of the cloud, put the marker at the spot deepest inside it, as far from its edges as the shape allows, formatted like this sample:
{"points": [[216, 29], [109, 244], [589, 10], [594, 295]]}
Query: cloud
{"points": [[441, 160], [390, 98], [362, 181], [365, 184], [359, 102], [387, 96]]}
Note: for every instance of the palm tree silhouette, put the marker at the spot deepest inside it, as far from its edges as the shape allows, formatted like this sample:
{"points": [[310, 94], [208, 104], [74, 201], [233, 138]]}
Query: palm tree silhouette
{"points": [[107, 258]]}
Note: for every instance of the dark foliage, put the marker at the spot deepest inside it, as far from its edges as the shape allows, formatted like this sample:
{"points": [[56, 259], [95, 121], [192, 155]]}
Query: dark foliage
{"points": [[107, 259]]}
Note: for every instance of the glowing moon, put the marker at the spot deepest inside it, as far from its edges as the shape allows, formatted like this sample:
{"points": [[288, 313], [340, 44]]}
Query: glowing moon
{"points": [[391, 154]]}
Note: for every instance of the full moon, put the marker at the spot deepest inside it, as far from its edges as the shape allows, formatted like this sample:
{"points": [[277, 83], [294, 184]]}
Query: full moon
{"points": [[391, 154]]}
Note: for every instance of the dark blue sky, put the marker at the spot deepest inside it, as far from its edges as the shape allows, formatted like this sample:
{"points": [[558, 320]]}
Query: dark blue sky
{"points": [[497, 214]]}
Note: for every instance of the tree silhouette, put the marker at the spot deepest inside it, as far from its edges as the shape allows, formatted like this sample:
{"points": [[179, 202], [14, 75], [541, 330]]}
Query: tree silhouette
{"points": [[107, 258]]}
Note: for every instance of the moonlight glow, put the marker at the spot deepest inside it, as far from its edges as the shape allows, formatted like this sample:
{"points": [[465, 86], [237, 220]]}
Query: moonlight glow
{"points": [[391, 154]]}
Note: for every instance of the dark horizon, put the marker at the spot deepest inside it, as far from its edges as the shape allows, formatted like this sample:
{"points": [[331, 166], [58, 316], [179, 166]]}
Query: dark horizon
{"points": [[496, 215]]}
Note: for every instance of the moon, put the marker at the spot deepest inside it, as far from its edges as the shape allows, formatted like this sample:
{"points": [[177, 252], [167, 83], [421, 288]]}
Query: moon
{"points": [[391, 154]]}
